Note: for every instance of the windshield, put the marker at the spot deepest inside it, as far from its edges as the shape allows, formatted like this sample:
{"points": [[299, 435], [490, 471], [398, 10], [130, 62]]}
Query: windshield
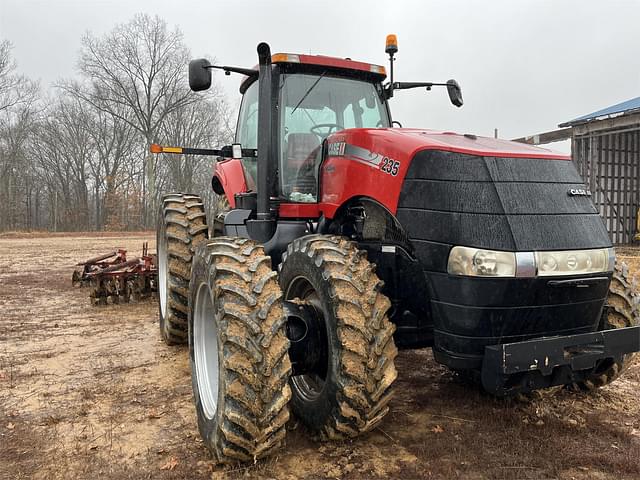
{"points": [[312, 107]]}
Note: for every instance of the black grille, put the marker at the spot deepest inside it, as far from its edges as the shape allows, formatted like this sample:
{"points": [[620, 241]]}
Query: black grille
{"points": [[513, 204]]}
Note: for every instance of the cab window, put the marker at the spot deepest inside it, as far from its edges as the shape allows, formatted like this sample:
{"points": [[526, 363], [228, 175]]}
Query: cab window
{"points": [[311, 108], [247, 131]]}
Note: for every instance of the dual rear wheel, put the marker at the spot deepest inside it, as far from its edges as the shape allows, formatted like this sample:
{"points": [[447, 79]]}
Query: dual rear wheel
{"points": [[182, 227], [621, 311], [223, 297], [238, 345]]}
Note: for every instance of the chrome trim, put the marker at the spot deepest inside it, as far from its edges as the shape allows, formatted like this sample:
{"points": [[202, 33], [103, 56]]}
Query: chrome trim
{"points": [[612, 259], [526, 264]]}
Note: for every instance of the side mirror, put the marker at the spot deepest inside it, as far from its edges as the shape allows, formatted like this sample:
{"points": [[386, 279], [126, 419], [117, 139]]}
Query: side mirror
{"points": [[199, 74], [455, 93]]}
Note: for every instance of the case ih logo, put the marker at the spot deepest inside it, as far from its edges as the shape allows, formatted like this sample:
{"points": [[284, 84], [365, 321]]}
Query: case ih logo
{"points": [[579, 192], [336, 149]]}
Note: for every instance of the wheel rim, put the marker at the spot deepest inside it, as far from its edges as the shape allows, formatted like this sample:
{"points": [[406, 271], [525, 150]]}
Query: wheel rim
{"points": [[163, 270], [308, 386], [205, 346]]}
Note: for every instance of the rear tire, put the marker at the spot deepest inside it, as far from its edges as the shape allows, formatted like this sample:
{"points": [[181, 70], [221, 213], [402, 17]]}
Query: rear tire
{"points": [[238, 350], [350, 394], [622, 303], [182, 227]]}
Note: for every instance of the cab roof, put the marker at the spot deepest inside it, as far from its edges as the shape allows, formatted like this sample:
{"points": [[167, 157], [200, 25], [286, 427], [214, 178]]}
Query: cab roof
{"points": [[372, 71], [334, 62]]}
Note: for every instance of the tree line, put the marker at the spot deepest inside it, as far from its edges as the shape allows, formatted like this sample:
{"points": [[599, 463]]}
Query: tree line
{"points": [[76, 157]]}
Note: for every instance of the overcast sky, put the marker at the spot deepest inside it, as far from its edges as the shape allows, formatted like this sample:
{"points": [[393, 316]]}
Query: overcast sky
{"points": [[524, 66]]}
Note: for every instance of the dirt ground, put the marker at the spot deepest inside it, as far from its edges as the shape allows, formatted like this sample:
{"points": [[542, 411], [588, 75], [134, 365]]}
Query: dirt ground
{"points": [[92, 392]]}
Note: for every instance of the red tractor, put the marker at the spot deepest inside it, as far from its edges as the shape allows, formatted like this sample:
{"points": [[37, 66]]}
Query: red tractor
{"points": [[348, 238]]}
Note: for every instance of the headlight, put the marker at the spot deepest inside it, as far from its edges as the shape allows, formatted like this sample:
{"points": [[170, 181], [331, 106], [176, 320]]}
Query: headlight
{"points": [[491, 263], [574, 262], [476, 262]]}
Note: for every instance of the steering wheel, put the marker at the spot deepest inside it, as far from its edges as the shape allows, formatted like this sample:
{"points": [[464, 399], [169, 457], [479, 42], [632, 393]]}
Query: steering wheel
{"points": [[329, 126]]}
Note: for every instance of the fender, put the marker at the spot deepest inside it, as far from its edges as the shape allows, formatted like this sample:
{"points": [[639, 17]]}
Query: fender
{"points": [[229, 179], [364, 163]]}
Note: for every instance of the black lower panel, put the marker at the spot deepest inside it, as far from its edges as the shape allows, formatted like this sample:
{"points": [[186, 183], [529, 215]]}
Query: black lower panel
{"points": [[471, 313], [503, 323], [511, 292]]}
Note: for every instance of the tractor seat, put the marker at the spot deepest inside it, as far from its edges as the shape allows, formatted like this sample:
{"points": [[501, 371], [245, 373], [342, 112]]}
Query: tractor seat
{"points": [[301, 149]]}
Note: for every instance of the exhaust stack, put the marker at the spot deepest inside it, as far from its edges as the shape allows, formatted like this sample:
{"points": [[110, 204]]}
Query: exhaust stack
{"points": [[263, 227]]}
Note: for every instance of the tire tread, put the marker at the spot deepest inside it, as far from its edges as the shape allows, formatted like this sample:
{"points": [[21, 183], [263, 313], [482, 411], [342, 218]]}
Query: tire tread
{"points": [[185, 229], [256, 368], [367, 369]]}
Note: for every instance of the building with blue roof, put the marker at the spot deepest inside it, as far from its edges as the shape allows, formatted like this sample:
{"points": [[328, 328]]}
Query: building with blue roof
{"points": [[629, 107]]}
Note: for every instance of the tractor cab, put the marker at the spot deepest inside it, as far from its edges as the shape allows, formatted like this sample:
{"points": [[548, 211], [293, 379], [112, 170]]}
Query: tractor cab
{"points": [[315, 96]]}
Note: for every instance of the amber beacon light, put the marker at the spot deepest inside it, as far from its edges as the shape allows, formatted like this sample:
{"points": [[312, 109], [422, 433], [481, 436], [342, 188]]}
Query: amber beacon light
{"points": [[391, 46]]}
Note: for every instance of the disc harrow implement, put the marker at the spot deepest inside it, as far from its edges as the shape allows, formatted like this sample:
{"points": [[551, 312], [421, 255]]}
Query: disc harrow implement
{"points": [[114, 279]]}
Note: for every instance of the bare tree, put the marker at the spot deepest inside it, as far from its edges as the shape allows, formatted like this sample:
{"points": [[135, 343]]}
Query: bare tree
{"points": [[79, 159], [14, 89], [115, 147], [18, 113], [62, 149], [17, 178], [202, 124], [140, 65], [197, 125]]}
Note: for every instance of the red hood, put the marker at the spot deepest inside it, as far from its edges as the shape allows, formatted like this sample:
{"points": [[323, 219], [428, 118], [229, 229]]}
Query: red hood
{"points": [[372, 162], [411, 140]]}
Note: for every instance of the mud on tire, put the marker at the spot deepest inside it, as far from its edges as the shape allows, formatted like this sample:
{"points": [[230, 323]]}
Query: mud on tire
{"points": [[335, 277], [623, 311], [238, 350], [182, 227]]}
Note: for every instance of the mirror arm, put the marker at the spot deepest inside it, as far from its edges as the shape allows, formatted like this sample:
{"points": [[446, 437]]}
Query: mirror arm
{"points": [[249, 72], [391, 86], [407, 85]]}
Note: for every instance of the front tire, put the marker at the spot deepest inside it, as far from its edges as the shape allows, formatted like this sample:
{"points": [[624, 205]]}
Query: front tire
{"points": [[182, 227], [350, 392], [622, 303], [238, 350]]}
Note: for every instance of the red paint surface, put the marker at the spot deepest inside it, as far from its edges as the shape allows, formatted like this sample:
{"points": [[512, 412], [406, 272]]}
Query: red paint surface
{"points": [[322, 60], [231, 176], [338, 63], [342, 178], [299, 210]]}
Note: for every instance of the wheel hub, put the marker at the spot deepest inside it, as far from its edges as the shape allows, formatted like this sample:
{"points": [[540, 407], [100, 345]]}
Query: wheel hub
{"points": [[307, 332]]}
